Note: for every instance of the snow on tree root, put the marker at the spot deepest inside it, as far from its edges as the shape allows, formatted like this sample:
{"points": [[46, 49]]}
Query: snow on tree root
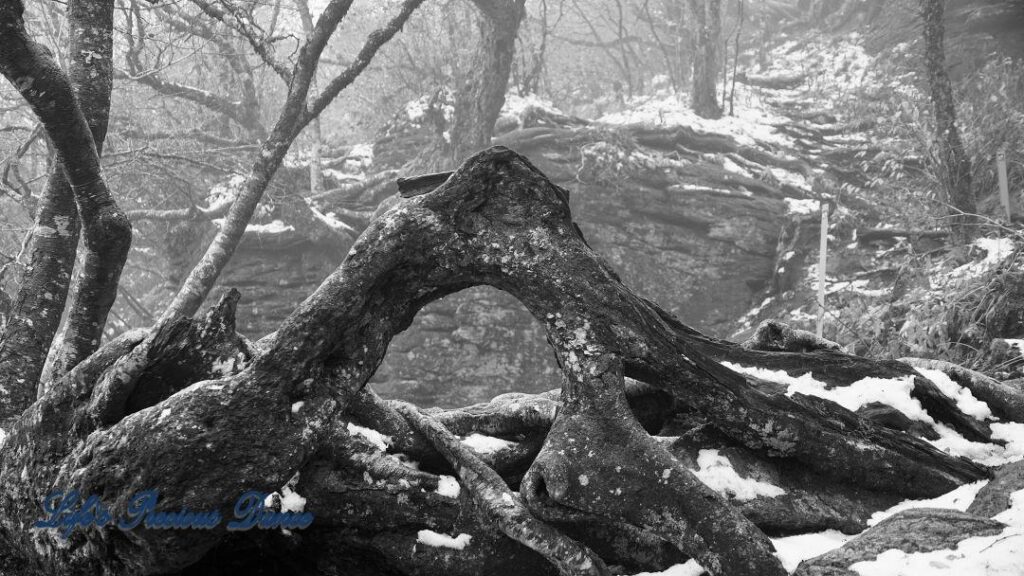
{"points": [[492, 495]]}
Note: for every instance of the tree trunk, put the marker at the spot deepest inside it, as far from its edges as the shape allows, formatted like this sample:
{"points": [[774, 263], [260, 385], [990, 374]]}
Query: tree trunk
{"points": [[481, 91], [953, 165], [704, 95], [38, 305], [211, 417], [77, 133], [95, 288]]}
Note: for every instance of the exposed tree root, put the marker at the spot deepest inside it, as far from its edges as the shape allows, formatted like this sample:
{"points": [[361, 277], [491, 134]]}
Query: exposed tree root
{"points": [[502, 505], [166, 415]]}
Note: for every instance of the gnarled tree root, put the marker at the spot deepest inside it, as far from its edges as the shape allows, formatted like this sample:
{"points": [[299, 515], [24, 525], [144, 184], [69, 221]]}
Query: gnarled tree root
{"points": [[209, 434], [502, 505]]}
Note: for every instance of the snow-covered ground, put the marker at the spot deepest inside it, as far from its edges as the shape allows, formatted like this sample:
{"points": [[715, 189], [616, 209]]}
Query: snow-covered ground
{"points": [[753, 123], [895, 392], [998, 555]]}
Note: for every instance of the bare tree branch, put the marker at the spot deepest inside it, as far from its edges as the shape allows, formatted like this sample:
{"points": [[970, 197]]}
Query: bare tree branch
{"points": [[294, 116], [237, 19]]}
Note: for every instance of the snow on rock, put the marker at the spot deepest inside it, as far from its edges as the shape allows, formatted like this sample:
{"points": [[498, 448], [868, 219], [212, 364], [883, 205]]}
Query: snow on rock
{"points": [[998, 555], [1016, 344], [431, 538], [228, 365], [996, 250], [3, 438], [802, 206], [690, 568], [792, 550], [273, 227], [965, 400], [1012, 433], [291, 501], [717, 473], [448, 486], [894, 392], [516, 106], [485, 444], [957, 499], [380, 441], [415, 109]]}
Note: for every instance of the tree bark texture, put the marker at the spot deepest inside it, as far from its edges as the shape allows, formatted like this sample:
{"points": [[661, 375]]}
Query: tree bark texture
{"points": [[209, 416], [74, 114]]}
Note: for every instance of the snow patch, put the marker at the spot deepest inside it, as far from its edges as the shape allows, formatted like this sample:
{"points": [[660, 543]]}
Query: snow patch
{"points": [[274, 227], [431, 538], [998, 555], [380, 441], [485, 444], [996, 250], [690, 568], [958, 499], [291, 501], [754, 121], [894, 392], [717, 473], [1012, 433], [1016, 343], [965, 400], [224, 366], [448, 486], [802, 206], [792, 550]]}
